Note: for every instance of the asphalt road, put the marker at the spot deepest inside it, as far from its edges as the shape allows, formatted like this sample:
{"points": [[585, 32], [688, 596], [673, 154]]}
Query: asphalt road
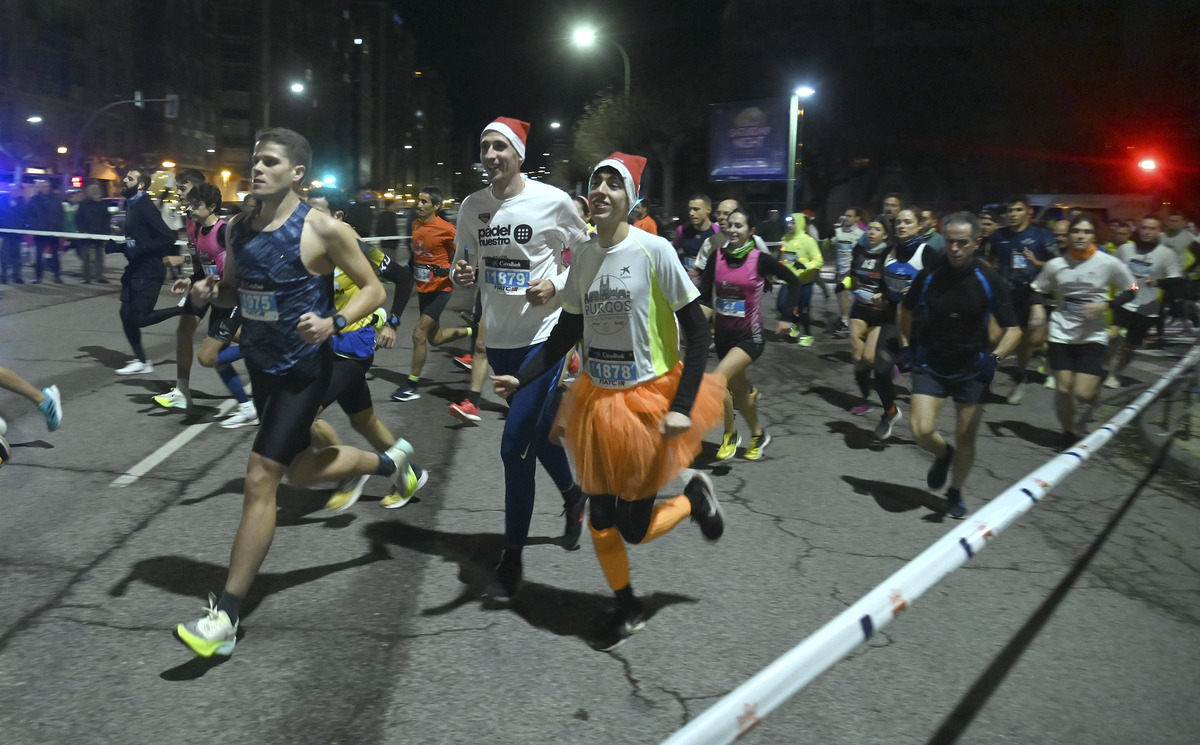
{"points": [[366, 627]]}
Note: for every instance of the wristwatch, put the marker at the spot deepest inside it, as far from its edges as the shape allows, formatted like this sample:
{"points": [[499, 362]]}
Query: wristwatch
{"points": [[393, 321], [339, 324]]}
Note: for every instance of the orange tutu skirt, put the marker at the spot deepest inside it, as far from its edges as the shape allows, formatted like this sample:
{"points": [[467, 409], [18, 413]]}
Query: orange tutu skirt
{"points": [[613, 437]]}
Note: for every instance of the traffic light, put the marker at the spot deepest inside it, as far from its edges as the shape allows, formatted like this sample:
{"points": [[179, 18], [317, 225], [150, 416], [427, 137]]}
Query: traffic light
{"points": [[171, 108]]}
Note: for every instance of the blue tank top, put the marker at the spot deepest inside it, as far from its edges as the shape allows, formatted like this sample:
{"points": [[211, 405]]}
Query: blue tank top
{"points": [[274, 290], [898, 274]]}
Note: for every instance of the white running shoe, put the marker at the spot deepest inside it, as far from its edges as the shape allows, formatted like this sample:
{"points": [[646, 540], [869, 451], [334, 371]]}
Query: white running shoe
{"points": [[136, 367], [244, 415], [174, 399], [212, 633]]}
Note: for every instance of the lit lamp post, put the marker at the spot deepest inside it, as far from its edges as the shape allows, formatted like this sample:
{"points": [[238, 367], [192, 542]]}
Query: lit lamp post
{"points": [[295, 88], [584, 37], [795, 132]]}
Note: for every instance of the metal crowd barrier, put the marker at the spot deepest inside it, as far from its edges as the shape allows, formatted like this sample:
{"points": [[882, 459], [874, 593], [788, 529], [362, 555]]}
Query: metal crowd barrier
{"points": [[744, 707]]}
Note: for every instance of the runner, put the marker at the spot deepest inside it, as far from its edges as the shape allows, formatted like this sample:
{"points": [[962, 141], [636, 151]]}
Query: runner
{"points": [[943, 323], [282, 255], [911, 254], [736, 276], [1021, 249], [48, 400], [513, 232], [432, 250], [354, 353], [207, 240], [850, 230], [148, 241], [636, 416], [1152, 264], [802, 255], [870, 312], [1078, 329]]}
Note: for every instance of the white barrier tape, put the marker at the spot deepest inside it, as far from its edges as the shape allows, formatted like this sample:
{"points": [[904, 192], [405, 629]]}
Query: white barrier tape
{"points": [[121, 238], [745, 706], [71, 236]]}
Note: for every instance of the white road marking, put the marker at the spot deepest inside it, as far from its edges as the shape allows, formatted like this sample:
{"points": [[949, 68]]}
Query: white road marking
{"points": [[148, 463]]}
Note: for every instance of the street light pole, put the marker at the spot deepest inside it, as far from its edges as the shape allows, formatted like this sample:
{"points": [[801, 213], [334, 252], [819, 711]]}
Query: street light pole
{"points": [[585, 37], [795, 132]]}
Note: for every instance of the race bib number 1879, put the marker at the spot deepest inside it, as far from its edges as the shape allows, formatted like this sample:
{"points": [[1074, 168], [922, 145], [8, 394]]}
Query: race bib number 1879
{"points": [[508, 276]]}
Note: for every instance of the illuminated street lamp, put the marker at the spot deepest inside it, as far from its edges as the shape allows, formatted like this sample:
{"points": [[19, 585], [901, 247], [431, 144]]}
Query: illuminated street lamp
{"points": [[62, 149], [34, 119], [584, 37], [795, 132], [1147, 165], [296, 88]]}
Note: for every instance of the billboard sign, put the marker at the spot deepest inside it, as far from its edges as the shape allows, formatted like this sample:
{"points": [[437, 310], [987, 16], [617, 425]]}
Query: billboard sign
{"points": [[748, 141]]}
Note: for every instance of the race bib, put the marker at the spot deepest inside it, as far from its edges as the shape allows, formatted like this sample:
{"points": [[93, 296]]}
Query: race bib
{"points": [[211, 270], [1140, 269], [898, 285], [611, 368], [864, 296], [788, 257], [258, 305], [506, 276], [734, 307], [689, 262], [422, 273], [1018, 260]]}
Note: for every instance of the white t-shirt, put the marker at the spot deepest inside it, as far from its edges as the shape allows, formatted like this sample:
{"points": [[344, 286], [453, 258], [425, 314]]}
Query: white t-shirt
{"points": [[1180, 242], [1159, 263], [1077, 283], [628, 295], [512, 243]]}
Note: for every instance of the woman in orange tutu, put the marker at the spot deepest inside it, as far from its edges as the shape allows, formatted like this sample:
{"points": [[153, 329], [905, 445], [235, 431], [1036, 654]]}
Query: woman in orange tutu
{"points": [[635, 417]]}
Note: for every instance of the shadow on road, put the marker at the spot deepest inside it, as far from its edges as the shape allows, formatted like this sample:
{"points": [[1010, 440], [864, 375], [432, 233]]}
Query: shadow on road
{"points": [[183, 576], [561, 612], [896, 497], [858, 438], [110, 358], [1039, 436]]}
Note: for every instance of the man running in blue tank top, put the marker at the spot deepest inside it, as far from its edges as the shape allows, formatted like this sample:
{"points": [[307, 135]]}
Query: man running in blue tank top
{"points": [[278, 270]]}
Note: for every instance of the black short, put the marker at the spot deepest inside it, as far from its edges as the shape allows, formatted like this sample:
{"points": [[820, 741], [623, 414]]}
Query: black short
{"points": [[432, 303], [968, 389], [1022, 302], [1083, 359], [1135, 324], [348, 385], [750, 347], [873, 316], [224, 323], [287, 405]]}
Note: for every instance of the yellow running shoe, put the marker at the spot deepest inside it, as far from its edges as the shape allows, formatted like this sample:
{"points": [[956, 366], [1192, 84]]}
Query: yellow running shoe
{"points": [[212, 633], [729, 445], [414, 480], [758, 443], [347, 493]]}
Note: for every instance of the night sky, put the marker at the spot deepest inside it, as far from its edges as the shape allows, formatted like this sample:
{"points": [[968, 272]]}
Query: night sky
{"points": [[505, 58]]}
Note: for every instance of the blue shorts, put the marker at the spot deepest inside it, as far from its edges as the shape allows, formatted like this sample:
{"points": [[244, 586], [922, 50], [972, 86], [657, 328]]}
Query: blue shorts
{"points": [[964, 389]]}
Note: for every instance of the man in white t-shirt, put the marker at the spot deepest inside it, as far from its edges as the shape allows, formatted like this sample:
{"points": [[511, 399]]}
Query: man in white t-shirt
{"points": [[1150, 262], [510, 240]]}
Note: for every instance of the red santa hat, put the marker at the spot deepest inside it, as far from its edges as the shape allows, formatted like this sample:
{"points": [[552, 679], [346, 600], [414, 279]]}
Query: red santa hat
{"points": [[630, 167], [514, 130]]}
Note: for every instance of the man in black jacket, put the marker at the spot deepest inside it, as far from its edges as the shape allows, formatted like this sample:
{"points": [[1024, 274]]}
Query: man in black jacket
{"points": [[45, 212], [148, 241], [92, 218]]}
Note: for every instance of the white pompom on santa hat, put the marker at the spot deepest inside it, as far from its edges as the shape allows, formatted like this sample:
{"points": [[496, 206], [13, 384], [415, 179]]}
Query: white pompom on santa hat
{"points": [[630, 167], [514, 130]]}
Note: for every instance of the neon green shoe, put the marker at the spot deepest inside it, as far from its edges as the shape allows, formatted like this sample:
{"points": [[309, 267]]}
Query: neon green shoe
{"points": [[212, 633], [729, 445], [347, 493], [758, 443], [794, 331], [805, 341], [414, 480]]}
